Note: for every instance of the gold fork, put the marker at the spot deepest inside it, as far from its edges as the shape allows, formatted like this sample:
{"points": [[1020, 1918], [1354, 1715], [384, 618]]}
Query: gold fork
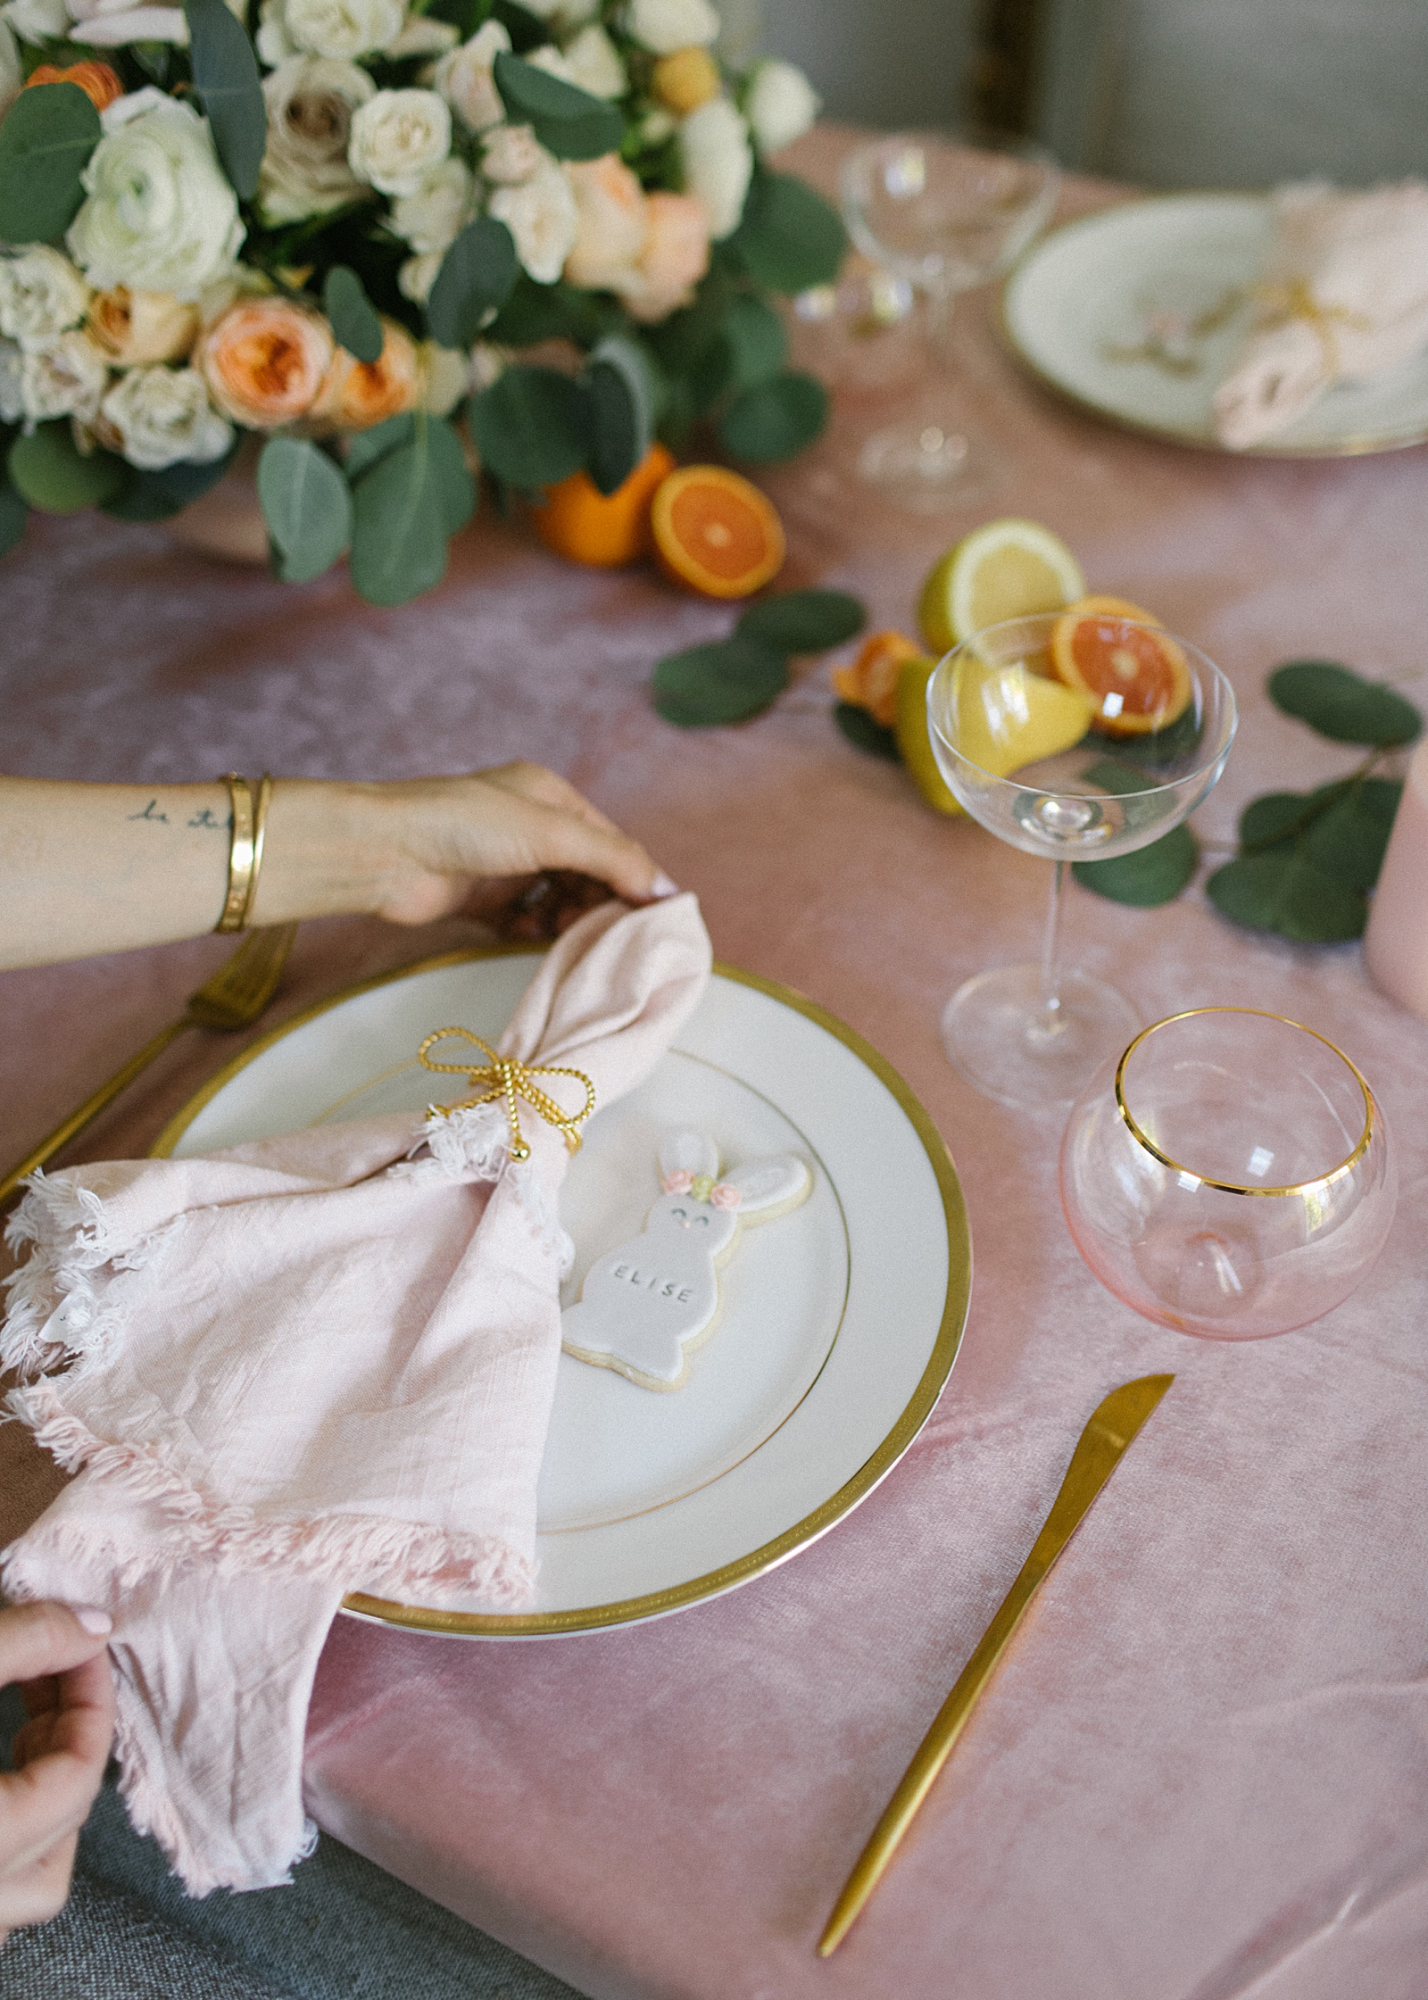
{"points": [[233, 998]]}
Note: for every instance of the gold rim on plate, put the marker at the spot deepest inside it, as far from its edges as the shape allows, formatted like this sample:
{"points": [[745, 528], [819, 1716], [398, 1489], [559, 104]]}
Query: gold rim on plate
{"points": [[766, 1557]]}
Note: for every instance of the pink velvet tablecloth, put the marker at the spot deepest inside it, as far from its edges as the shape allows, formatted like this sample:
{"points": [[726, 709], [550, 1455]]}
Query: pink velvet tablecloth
{"points": [[1201, 1773]]}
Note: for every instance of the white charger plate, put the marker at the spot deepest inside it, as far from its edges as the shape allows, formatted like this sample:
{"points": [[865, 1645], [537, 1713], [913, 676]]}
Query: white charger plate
{"points": [[841, 1319], [1082, 301]]}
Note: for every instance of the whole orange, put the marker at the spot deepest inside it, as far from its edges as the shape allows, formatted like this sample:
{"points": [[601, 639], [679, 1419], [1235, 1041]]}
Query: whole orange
{"points": [[605, 530]]}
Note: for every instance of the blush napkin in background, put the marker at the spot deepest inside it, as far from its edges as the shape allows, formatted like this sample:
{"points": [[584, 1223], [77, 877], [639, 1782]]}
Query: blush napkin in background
{"points": [[308, 1365], [1344, 297]]}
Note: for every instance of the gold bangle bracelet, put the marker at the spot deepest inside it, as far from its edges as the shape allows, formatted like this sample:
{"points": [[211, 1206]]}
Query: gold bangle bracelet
{"points": [[245, 848]]}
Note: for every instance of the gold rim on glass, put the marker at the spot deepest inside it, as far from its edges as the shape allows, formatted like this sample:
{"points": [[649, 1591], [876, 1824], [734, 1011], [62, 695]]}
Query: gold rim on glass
{"points": [[1234, 1187], [652, 1604]]}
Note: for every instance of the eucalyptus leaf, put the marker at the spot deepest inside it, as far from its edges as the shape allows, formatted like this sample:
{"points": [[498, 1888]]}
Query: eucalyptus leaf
{"points": [[526, 30], [775, 420], [727, 681], [1342, 705], [529, 427], [1117, 778], [46, 139], [227, 82], [13, 516], [49, 471], [803, 621], [1283, 891], [1276, 817], [398, 527], [158, 496], [753, 340], [1151, 875], [865, 732], [573, 124], [476, 278], [789, 237], [1156, 747], [307, 506], [449, 472], [350, 312], [1349, 838], [364, 448], [619, 411], [534, 313]]}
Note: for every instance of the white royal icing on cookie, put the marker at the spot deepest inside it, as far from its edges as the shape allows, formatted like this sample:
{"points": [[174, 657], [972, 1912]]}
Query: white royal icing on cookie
{"points": [[646, 1305]]}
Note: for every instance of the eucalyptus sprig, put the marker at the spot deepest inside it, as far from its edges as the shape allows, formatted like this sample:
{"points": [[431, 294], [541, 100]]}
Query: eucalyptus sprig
{"points": [[729, 680]]}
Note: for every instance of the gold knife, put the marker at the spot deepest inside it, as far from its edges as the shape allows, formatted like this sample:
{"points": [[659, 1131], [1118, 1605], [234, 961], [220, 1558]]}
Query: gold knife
{"points": [[1113, 1425]]}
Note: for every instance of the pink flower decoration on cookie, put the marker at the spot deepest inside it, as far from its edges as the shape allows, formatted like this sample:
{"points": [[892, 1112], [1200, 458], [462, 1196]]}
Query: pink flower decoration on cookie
{"points": [[724, 1195], [679, 1182]]}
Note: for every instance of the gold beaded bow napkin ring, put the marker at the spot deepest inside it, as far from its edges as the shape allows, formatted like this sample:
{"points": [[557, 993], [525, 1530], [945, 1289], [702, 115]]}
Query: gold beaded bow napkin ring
{"points": [[503, 1079]]}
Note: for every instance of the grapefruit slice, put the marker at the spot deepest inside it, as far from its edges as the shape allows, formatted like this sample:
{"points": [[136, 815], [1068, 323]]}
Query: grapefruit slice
{"points": [[1132, 671], [715, 532], [1004, 569]]}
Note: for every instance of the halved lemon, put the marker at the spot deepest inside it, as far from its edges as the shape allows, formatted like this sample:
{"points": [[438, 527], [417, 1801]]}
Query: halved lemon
{"points": [[1116, 655], [1005, 718], [1004, 569]]}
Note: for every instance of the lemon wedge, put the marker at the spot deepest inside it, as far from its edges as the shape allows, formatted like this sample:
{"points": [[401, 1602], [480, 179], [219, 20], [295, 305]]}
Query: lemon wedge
{"points": [[1004, 569], [1009, 716]]}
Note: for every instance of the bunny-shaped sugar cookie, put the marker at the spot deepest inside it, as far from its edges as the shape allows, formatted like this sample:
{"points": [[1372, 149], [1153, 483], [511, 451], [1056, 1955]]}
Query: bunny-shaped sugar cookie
{"points": [[644, 1306]]}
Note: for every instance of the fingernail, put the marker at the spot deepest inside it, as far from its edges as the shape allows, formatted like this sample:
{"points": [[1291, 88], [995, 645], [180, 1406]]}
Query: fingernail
{"points": [[662, 887], [94, 1621]]}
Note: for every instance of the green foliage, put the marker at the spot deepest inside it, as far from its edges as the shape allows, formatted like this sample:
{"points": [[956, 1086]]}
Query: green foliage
{"points": [[775, 419], [406, 503], [864, 732], [13, 516], [789, 237], [526, 30], [354, 322], [158, 496], [727, 681], [804, 621], [619, 410], [1158, 747], [366, 447], [307, 506], [227, 83], [1153, 874], [1342, 705], [573, 124], [46, 139], [534, 313], [476, 278], [529, 427], [1288, 894], [48, 470]]}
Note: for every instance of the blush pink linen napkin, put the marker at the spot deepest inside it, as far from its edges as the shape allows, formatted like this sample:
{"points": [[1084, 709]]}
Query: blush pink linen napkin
{"points": [[1343, 297], [314, 1364]]}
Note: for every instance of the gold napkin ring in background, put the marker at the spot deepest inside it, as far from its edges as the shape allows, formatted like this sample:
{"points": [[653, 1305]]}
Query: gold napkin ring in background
{"points": [[505, 1080], [245, 848]]}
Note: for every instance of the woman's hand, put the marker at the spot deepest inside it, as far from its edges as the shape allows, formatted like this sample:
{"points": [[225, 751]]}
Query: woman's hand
{"points": [[60, 1753]]}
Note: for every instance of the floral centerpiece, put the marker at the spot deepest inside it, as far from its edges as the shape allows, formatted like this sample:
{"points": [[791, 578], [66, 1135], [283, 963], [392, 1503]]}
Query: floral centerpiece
{"points": [[337, 226]]}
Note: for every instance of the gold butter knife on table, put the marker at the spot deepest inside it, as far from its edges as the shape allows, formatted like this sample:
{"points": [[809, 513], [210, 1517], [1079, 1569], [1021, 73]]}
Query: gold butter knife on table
{"points": [[1111, 1429]]}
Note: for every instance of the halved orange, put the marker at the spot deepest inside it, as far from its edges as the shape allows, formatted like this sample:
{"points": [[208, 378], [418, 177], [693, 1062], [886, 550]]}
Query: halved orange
{"points": [[1114, 652], [603, 529], [716, 532]]}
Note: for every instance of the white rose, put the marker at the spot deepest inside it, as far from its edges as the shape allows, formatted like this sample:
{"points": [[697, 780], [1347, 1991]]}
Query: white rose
{"points": [[417, 276], [398, 136], [667, 25], [445, 377], [343, 29], [12, 398], [513, 154], [421, 37], [464, 78], [718, 162], [12, 74], [163, 417], [592, 63], [433, 217], [64, 379], [780, 106], [41, 294], [110, 24], [542, 217], [310, 103], [37, 20], [161, 214]]}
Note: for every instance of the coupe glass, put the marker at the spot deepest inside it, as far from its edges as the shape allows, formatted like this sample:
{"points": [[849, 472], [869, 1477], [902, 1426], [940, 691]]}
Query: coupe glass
{"points": [[1032, 1035], [1230, 1175], [944, 212]]}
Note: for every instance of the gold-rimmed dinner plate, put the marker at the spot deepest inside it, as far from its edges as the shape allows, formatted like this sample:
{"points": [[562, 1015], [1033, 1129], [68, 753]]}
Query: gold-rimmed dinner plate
{"points": [[1137, 313], [841, 1319]]}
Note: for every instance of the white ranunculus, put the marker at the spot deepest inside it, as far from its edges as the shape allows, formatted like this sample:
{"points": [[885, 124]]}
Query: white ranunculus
{"points": [[37, 20], [41, 294], [433, 217], [124, 110], [343, 29], [513, 154], [163, 417], [161, 214], [398, 137], [417, 276], [718, 162], [310, 102], [464, 78], [12, 73], [780, 106], [67, 378], [667, 25], [542, 217], [12, 398], [592, 62]]}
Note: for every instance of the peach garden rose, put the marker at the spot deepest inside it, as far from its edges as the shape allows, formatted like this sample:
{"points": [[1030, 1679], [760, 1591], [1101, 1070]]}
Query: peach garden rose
{"points": [[357, 394], [264, 361]]}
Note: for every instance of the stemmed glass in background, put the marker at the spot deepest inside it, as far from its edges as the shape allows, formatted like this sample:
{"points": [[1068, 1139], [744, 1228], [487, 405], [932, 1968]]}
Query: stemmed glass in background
{"points": [[945, 213], [1032, 1035]]}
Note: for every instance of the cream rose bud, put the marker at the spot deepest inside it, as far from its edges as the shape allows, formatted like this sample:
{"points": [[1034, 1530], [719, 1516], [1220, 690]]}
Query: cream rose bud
{"points": [[542, 217], [310, 102], [12, 73], [513, 154], [162, 416], [718, 163], [780, 106], [65, 379], [667, 25], [433, 217], [593, 63], [398, 137], [464, 78], [161, 214], [344, 29], [38, 20], [12, 396], [41, 294], [674, 258], [417, 276], [551, 61], [445, 376], [134, 328], [612, 223]]}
